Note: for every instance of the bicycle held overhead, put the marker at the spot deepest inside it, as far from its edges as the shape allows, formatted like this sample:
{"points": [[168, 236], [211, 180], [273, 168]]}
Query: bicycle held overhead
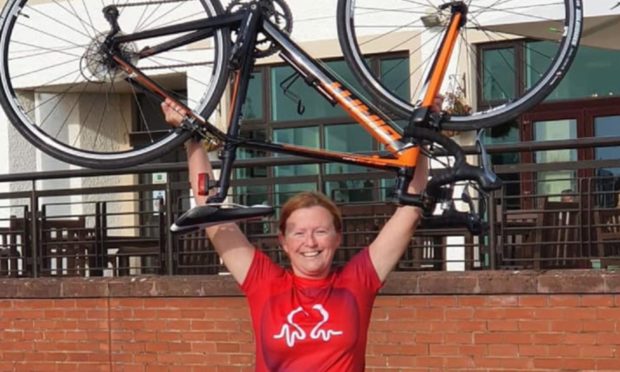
{"points": [[81, 93]]}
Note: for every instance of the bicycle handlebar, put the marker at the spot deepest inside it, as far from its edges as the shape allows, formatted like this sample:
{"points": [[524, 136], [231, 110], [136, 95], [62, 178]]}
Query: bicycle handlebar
{"points": [[461, 171]]}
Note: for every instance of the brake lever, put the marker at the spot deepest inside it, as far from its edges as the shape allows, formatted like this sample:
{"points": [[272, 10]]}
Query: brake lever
{"points": [[488, 173]]}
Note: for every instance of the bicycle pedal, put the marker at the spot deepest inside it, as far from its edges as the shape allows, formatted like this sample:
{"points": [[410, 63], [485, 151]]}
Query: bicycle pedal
{"points": [[208, 215]]}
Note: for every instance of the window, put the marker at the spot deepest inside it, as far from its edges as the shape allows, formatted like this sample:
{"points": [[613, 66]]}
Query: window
{"points": [[506, 134], [294, 100], [607, 179], [593, 74], [498, 74], [585, 104], [280, 105], [503, 73], [554, 182]]}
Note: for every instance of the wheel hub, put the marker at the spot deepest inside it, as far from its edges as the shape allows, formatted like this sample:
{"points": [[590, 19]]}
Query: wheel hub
{"points": [[97, 64]]}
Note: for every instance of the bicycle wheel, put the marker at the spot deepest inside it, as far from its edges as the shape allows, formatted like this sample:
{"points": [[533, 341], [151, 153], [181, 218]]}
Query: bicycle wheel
{"points": [[67, 99], [481, 95]]}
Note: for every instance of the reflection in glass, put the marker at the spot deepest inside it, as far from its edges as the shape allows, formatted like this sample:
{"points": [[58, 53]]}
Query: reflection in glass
{"points": [[346, 191], [308, 136], [285, 191], [498, 74], [253, 105], [346, 138], [554, 182], [246, 153], [592, 74], [392, 72], [607, 181], [285, 105], [251, 195], [503, 134]]}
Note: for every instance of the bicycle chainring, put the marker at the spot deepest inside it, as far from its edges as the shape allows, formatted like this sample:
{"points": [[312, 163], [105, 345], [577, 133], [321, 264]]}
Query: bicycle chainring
{"points": [[277, 11]]}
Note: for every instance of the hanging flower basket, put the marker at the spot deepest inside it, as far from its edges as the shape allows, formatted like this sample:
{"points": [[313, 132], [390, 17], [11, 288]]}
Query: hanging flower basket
{"points": [[455, 105]]}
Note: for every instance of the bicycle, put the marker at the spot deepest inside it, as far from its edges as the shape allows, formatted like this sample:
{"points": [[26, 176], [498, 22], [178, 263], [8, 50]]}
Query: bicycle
{"points": [[113, 48]]}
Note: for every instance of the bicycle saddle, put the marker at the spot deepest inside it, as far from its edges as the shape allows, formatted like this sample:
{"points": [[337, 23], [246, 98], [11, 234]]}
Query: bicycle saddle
{"points": [[213, 214]]}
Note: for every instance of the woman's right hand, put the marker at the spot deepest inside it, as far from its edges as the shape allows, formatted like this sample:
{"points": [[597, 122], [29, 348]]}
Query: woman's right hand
{"points": [[173, 113]]}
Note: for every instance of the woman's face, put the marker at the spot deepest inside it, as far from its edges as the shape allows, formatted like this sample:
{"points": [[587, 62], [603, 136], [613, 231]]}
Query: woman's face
{"points": [[310, 241]]}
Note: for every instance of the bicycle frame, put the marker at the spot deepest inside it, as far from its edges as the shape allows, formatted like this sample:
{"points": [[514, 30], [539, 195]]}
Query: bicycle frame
{"points": [[403, 149]]}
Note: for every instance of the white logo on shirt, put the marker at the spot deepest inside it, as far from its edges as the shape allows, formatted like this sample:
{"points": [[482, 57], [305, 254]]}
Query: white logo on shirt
{"points": [[291, 331]]}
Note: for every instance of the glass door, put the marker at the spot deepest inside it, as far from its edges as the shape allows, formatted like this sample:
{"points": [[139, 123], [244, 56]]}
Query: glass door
{"points": [[554, 183], [607, 178]]}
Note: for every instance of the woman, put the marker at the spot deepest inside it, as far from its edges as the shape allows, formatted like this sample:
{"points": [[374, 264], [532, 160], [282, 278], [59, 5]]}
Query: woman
{"points": [[311, 317]]}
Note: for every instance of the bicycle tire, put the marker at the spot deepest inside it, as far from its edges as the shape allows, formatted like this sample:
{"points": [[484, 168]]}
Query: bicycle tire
{"points": [[68, 101], [359, 20]]}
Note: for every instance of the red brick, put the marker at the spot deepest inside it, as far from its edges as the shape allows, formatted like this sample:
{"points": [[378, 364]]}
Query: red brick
{"points": [[608, 338], [469, 326], [548, 314], [580, 338], [459, 362], [564, 301], [552, 338], [403, 361], [427, 338], [442, 301], [580, 314], [612, 364], [443, 350], [430, 313], [533, 350], [410, 301], [473, 350], [503, 350], [597, 351], [459, 313], [504, 363], [600, 325], [429, 362], [533, 301], [502, 325], [596, 301], [566, 326], [534, 325], [475, 301], [502, 301]]}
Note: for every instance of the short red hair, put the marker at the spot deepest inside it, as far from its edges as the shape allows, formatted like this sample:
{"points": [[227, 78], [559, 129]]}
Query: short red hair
{"points": [[307, 199]]}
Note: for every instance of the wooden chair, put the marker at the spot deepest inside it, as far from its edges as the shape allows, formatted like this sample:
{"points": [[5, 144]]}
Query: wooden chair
{"points": [[607, 227], [66, 245], [360, 225], [518, 238], [195, 255], [560, 239], [425, 252]]}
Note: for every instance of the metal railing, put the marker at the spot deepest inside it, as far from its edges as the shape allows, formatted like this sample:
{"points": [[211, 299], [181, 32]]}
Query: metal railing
{"points": [[109, 230]]}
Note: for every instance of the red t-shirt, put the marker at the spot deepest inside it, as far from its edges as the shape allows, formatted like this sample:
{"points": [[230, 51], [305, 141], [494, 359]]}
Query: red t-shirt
{"points": [[311, 325]]}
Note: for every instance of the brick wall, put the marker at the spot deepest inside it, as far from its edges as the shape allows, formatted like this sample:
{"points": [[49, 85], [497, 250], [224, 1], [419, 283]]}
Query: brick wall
{"points": [[472, 321]]}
